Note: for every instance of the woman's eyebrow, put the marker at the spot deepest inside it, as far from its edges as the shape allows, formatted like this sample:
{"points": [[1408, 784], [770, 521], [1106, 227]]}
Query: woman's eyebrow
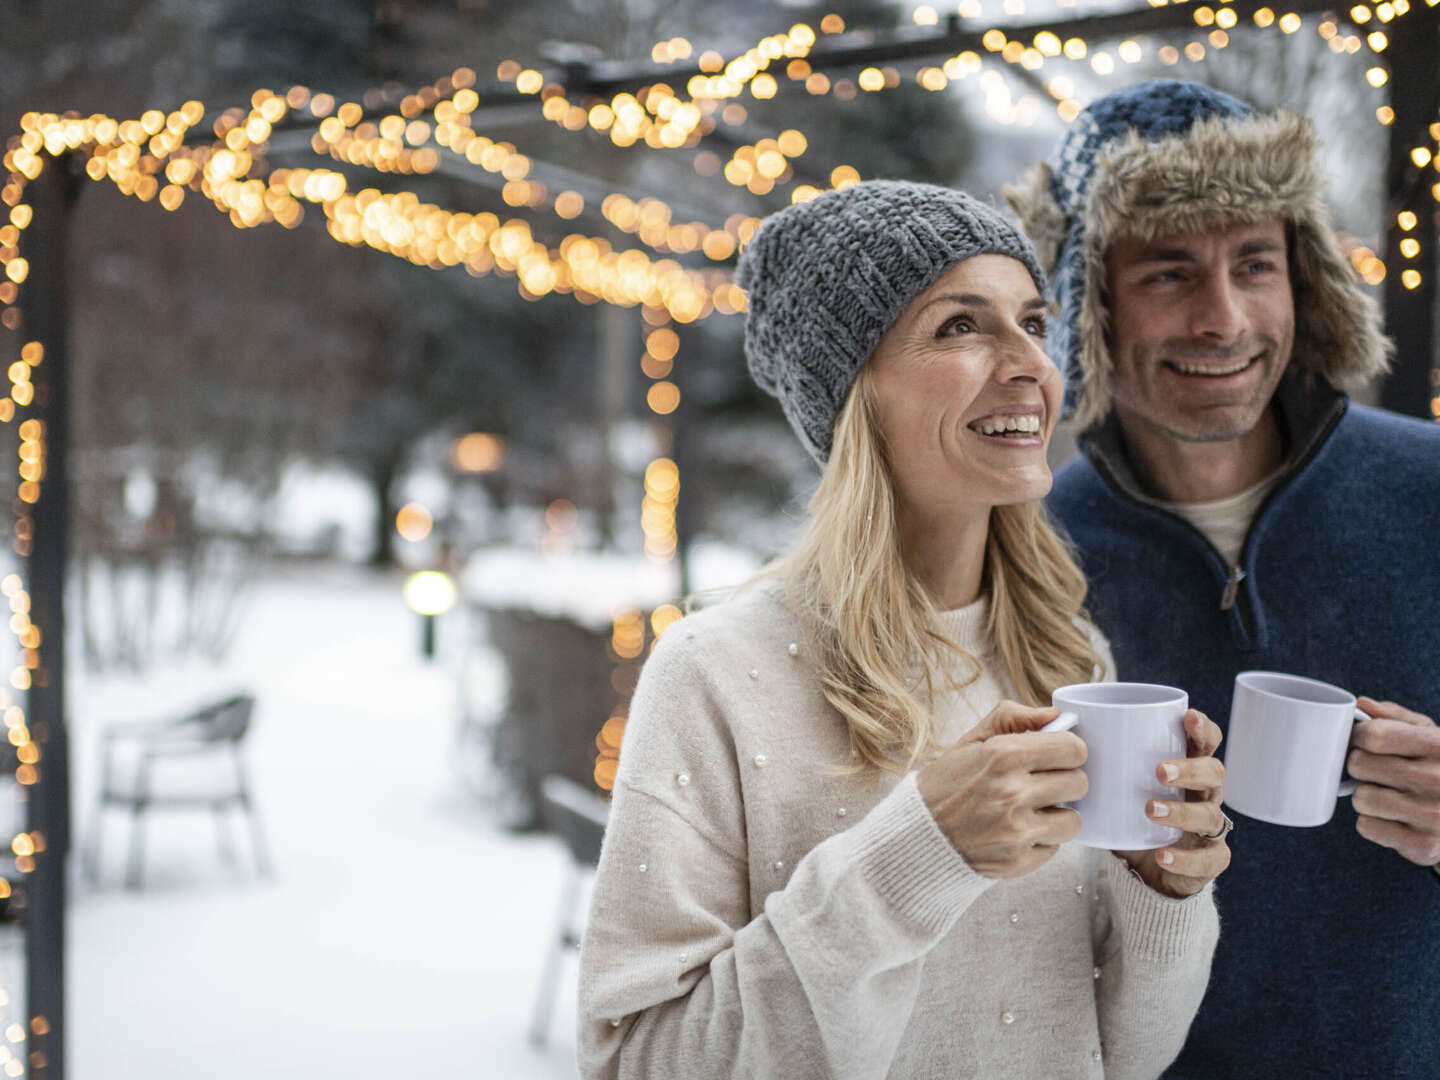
{"points": [[1036, 303], [963, 299]]}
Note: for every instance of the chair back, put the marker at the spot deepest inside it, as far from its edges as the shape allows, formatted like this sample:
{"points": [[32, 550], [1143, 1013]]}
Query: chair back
{"points": [[224, 721], [576, 814]]}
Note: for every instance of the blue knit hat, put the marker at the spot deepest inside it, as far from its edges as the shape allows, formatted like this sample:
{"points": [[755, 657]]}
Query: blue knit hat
{"points": [[1168, 158]]}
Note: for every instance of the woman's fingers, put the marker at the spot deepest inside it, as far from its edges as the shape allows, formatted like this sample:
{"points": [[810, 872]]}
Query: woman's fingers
{"points": [[1055, 825], [1203, 819], [1056, 786], [1192, 774], [1198, 864], [1202, 735]]}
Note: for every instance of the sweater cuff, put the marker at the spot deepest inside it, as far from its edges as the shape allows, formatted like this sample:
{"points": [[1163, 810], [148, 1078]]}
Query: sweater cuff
{"points": [[1153, 925], [910, 863]]}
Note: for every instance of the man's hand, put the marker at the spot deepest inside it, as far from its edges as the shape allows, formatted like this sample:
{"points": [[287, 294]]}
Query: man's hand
{"points": [[1183, 868], [1396, 755], [994, 792]]}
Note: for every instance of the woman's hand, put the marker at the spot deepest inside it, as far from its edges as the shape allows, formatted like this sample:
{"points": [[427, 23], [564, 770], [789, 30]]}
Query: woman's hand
{"points": [[1183, 868], [994, 792]]}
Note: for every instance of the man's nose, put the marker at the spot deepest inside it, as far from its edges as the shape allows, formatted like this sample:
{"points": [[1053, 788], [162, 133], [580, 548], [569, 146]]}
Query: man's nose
{"points": [[1217, 313]]}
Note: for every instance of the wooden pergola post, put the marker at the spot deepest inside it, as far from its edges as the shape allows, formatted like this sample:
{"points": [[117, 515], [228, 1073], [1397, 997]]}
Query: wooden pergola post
{"points": [[1414, 58], [47, 320]]}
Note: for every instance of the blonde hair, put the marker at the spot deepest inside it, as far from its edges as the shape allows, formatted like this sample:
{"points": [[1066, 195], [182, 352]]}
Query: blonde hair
{"points": [[874, 621]]}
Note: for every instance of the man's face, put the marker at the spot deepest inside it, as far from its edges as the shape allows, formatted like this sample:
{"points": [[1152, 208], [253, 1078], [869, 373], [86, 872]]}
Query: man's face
{"points": [[1202, 326]]}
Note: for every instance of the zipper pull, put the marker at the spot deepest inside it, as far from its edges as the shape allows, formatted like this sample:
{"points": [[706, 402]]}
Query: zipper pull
{"points": [[1232, 588]]}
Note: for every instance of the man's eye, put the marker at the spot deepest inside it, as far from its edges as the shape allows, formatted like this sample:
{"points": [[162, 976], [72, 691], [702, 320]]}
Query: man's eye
{"points": [[1035, 326]]}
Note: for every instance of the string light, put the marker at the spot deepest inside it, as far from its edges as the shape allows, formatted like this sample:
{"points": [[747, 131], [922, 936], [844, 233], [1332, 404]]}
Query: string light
{"points": [[657, 515]]}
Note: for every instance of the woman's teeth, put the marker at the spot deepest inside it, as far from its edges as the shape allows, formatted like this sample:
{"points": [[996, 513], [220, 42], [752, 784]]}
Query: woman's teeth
{"points": [[1024, 424], [1193, 369]]}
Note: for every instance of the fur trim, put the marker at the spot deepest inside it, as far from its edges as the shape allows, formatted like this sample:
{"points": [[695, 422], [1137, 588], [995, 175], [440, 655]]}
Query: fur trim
{"points": [[1226, 171], [1040, 216]]}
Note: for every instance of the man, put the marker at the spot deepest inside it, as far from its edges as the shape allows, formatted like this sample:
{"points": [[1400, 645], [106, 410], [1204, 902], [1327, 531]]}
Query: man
{"points": [[1234, 510]]}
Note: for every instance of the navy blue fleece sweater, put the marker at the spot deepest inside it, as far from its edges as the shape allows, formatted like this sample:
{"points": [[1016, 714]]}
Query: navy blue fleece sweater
{"points": [[1329, 955]]}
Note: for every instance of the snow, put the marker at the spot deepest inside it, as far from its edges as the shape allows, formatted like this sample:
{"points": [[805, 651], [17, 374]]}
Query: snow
{"points": [[590, 587], [402, 934], [587, 587]]}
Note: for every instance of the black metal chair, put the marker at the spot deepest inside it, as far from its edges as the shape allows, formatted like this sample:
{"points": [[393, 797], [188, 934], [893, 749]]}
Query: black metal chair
{"points": [[212, 731], [577, 815]]}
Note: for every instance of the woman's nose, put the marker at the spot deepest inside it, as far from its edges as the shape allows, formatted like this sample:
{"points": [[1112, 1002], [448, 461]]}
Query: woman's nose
{"points": [[1023, 359]]}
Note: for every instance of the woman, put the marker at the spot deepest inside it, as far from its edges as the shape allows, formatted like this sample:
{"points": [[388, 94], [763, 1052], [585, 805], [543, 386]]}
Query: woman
{"points": [[797, 880]]}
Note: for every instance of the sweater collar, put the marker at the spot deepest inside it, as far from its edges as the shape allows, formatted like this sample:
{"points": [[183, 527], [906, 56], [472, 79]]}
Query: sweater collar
{"points": [[1308, 409], [968, 626]]}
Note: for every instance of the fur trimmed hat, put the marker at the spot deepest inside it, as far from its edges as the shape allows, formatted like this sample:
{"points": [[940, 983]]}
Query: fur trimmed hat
{"points": [[1167, 157], [825, 279]]}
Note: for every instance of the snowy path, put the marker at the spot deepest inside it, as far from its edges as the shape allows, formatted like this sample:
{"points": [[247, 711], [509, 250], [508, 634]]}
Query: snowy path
{"points": [[402, 935]]}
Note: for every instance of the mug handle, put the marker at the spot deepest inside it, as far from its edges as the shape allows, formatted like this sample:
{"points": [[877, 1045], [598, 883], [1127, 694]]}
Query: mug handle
{"points": [[1347, 787], [1066, 720]]}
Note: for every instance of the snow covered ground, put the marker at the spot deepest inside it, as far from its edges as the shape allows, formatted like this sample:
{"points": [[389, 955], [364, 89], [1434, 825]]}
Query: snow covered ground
{"points": [[402, 934]]}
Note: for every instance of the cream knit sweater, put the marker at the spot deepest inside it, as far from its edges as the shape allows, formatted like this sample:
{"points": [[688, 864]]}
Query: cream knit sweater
{"points": [[755, 915]]}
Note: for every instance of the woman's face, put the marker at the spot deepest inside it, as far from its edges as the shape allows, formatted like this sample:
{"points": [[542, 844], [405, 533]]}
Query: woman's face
{"points": [[965, 396]]}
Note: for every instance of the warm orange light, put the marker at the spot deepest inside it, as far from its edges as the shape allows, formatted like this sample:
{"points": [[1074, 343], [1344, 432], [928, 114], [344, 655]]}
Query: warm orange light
{"points": [[605, 770], [414, 522], [663, 398], [663, 343], [561, 515], [478, 452], [663, 617]]}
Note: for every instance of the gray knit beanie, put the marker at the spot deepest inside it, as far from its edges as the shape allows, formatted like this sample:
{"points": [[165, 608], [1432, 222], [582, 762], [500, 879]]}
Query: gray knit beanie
{"points": [[827, 278]]}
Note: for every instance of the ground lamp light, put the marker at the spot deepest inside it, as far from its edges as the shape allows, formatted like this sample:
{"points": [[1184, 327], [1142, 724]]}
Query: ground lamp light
{"points": [[429, 593]]}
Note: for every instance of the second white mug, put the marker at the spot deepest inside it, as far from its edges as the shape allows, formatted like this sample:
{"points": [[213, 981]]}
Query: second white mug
{"points": [[1128, 729], [1285, 750]]}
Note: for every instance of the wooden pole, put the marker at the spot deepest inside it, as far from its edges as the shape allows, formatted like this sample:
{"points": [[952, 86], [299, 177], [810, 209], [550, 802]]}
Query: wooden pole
{"points": [[1414, 59], [46, 314]]}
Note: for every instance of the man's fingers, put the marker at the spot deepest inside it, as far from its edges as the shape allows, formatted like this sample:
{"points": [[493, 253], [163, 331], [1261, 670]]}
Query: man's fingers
{"points": [[1416, 775], [1421, 814], [1391, 711], [1419, 848], [1192, 774], [1385, 735]]}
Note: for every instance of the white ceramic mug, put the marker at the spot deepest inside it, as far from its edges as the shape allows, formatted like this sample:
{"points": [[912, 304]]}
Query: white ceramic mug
{"points": [[1128, 729], [1286, 747]]}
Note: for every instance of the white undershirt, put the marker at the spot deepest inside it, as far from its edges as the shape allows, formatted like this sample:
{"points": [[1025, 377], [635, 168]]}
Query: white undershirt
{"points": [[1226, 521]]}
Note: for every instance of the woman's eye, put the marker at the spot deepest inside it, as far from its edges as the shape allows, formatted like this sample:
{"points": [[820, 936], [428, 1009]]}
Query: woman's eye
{"points": [[1035, 326], [961, 324]]}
